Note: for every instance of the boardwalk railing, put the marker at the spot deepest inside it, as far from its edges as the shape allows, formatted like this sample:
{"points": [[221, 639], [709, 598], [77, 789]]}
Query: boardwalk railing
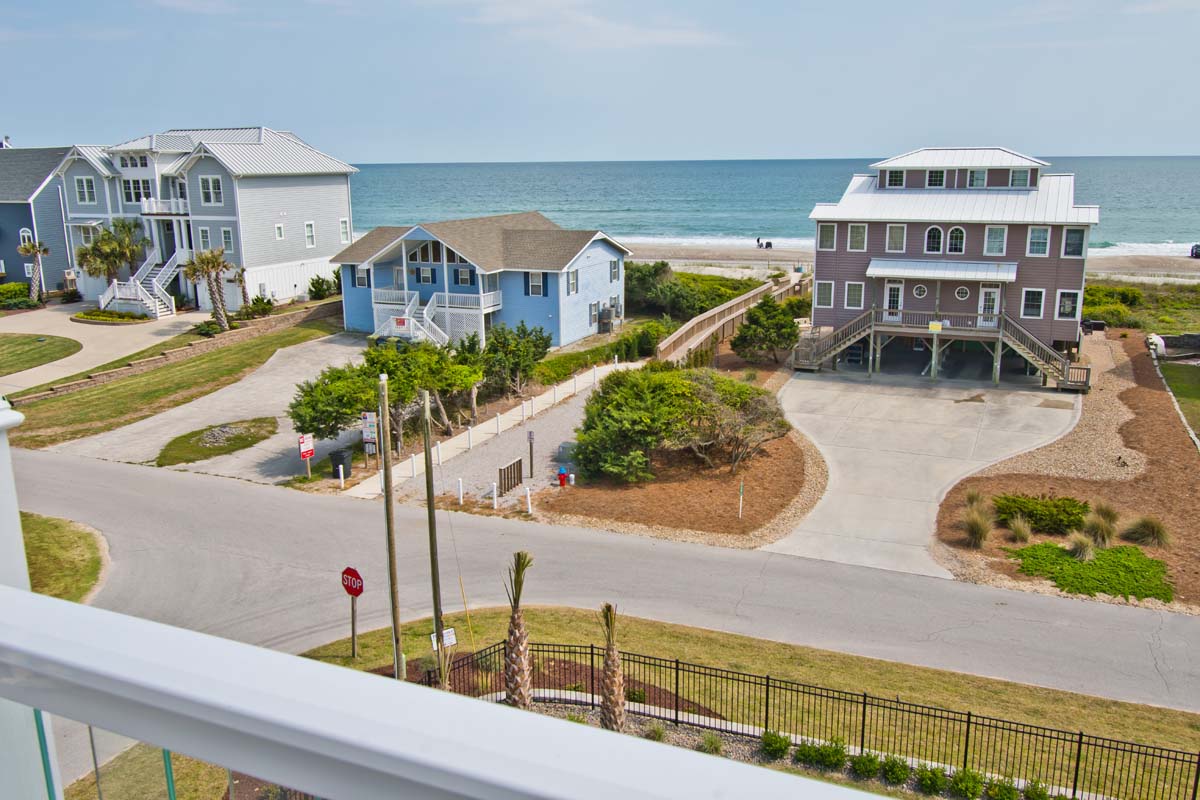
{"points": [[1071, 763], [509, 477], [717, 324]]}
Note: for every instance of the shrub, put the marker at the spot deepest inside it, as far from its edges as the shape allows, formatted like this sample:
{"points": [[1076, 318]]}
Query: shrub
{"points": [[337, 281], [896, 770], [655, 733], [1098, 529], [1099, 294], [932, 780], [70, 296], [635, 695], [1035, 790], [1001, 789], [766, 330], [798, 307], [19, 302], [572, 717], [1106, 512], [110, 316], [207, 329], [1081, 547], [1045, 513], [864, 765], [1147, 531], [258, 307], [710, 743], [967, 784], [831, 755], [319, 287], [13, 291], [977, 523], [750, 375], [1018, 529], [1117, 315], [775, 745]]}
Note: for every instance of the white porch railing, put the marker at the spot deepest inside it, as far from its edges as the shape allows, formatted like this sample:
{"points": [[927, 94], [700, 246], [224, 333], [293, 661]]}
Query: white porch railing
{"points": [[108, 295], [488, 300], [147, 265], [170, 205], [921, 319], [392, 295]]}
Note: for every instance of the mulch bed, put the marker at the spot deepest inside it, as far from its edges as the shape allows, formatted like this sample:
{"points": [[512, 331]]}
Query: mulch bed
{"points": [[1167, 488], [685, 495]]}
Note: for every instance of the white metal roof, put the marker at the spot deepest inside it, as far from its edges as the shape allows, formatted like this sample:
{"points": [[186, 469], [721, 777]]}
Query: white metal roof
{"points": [[1052, 202], [959, 157], [998, 272], [94, 155], [267, 152]]}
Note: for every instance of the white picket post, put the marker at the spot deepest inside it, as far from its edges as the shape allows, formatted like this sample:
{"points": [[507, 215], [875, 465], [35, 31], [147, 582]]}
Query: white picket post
{"points": [[593, 374], [412, 461], [460, 491], [522, 412], [497, 424], [439, 453], [495, 497], [575, 384], [341, 477], [528, 501], [556, 394], [468, 437]]}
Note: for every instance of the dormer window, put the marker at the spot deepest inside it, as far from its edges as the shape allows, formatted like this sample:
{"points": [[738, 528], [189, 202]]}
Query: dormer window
{"points": [[976, 178], [895, 179], [935, 179], [1018, 179]]}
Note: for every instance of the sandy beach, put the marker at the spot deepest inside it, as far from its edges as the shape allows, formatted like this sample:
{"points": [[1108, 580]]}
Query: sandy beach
{"points": [[1132, 267]]}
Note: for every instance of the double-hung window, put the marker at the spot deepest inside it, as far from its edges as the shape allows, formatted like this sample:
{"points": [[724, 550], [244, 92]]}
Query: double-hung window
{"points": [[211, 192], [1031, 303], [85, 190], [854, 296], [1039, 241], [827, 236], [614, 271], [535, 283], [362, 277], [227, 239], [344, 230], [205, 239], [976, 178], [935, 179], [142, 162], [823, 294], [462, 276], [897, 238], [310, 234], [593, 312], [956, 241], [1018, 178], [1073, 242], [135, 189], [1068, 304], [895, 179], [573, 282], [425, 275], [995, 240], [856, 240]]}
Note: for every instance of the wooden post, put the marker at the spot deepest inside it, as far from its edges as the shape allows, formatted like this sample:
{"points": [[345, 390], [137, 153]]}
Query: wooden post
{"points": [[308, 468], [933, 369], [996, 355], [398, 665], [434, 571]]}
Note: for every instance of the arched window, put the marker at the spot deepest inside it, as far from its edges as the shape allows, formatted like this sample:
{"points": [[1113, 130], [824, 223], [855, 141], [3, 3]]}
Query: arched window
{"points": [[26, 236], [933, 240], [956, 241]]}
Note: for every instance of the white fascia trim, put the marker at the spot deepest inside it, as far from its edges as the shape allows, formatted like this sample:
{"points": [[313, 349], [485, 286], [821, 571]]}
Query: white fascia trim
{"points": [[42, 185], [599, 235]]}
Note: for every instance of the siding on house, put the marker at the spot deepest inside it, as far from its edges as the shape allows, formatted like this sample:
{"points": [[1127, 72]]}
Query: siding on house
{"points": [[208, 167], [290, 201], [13, 217], [101, 209], [48, 216], [594, 287], [533, 311], [358, 314]]}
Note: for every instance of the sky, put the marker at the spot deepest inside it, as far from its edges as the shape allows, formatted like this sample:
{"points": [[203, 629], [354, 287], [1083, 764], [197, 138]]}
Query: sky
{"points": [[576, 80]]}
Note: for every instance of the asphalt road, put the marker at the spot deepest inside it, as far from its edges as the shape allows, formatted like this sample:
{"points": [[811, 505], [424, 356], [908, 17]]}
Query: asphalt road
{"points": [[260, 564]]}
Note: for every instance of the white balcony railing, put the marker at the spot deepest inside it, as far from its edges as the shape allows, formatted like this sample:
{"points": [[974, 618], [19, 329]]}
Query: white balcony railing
{"points": [[392, 296], [169, 205]]}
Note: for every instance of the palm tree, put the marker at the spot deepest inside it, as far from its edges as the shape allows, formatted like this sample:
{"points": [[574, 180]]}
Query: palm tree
{"points": [[518, 669], [209, 266], [102, 258], [612, 680], [241, 279], [129, 242], [35, 250]]}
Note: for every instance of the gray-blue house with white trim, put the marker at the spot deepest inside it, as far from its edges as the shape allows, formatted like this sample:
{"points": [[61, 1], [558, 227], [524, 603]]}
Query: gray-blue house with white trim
{"points": [[31, 208], [442, 281]]}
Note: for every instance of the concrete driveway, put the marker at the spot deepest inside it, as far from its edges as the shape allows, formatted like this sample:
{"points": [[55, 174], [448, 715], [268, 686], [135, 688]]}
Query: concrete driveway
{"points": [[266, 392], [895, 446], [101, 343]]}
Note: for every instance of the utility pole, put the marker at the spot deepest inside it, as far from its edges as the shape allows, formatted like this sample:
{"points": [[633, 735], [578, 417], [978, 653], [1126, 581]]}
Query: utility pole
{"points": [[434, 574], [399, 669]]}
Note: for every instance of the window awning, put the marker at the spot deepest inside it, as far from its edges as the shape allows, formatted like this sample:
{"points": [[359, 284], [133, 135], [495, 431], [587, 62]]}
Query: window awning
{"points": [[86, 223], [987, 271]]}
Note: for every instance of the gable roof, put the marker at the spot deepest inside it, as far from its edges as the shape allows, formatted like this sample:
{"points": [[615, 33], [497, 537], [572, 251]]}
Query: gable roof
{"points": [[246, 152], [959, 157], [1052, 202], [526, 240], [23, 170]]}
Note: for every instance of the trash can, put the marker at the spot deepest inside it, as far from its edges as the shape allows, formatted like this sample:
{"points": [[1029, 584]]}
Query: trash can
{"points": [[340, 458]]}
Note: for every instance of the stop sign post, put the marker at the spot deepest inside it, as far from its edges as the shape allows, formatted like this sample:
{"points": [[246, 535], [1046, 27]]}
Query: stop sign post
{"points": [[352, 582]]}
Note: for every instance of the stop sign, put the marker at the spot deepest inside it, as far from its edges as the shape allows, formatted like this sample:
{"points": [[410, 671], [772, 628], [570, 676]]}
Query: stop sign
{"points": [[352, 582]]}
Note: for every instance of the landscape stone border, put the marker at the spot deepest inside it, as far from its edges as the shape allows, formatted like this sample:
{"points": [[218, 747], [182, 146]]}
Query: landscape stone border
{"points": [[250, 329]]}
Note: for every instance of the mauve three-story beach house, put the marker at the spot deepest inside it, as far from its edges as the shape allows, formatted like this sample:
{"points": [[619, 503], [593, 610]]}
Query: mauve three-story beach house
{"points": [[949, 245]]}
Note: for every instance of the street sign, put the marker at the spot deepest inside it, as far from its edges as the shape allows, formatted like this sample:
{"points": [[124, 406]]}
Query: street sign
{"points": [[448, 638], [531, 437], [306, 446], [352, 582], [370, 427]]}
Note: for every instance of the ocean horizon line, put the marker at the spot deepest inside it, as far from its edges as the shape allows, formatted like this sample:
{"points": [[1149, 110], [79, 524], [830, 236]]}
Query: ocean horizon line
{"points": [[706, 160]]}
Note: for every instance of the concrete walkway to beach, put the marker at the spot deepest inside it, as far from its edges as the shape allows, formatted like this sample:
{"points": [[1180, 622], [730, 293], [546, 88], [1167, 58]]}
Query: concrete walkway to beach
{"points": [[101, 343]]}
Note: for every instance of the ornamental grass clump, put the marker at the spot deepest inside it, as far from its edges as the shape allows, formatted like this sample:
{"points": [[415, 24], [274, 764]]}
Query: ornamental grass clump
{"points": [[711, 744], [973, 497], [1098, 529], [1080, 547], [1147, 531], [977, 523], [1018, 529], [1106, 512]]}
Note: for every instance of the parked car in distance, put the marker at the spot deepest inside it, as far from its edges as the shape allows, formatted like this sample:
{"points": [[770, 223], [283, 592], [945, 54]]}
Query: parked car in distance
{"points": [[1196, 251]]}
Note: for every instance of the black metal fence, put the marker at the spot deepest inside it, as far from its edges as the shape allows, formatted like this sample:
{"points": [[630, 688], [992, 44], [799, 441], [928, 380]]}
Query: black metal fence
{"points": [[1071, 763]]}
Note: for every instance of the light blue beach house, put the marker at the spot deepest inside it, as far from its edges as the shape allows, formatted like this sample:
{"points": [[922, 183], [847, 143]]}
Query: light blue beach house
{"points": [[279, 207], [442, 281]]}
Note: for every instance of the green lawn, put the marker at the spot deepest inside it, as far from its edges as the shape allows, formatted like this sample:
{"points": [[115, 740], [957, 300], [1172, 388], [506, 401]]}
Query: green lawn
{"points": [[1184, 380], [1118, 571], [63, 558], [139, 774], [111, 405], [189, 447], [22, 351]]}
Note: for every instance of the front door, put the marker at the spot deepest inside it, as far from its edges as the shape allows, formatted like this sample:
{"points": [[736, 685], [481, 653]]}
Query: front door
{"points": [[167, 237], [989, 306], [893, 301]]}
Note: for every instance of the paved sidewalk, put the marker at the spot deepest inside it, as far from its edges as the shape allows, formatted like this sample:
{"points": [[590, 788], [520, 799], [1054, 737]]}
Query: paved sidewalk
{"points": [[508, 447], [101, 343]]}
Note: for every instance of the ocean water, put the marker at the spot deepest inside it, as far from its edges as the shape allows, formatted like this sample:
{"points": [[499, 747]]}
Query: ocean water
{"points": [[1148, 204]]}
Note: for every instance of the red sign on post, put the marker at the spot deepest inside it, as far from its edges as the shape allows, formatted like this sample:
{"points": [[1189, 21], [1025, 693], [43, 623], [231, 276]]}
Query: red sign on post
{"points": [[306, 446], [352, 582]]}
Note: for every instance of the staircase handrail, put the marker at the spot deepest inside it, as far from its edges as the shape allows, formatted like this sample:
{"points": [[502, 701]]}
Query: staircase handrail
{"points": [[147, 265], [163, 296], [823, 347], [108, 295], [172, 266], [431, 327], [1040, 350]]}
